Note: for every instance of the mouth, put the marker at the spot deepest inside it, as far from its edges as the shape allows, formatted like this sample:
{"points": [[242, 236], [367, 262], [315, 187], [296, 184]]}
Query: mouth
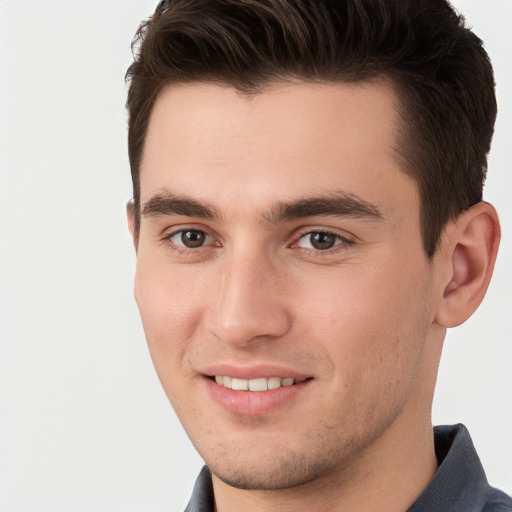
{"points": [[258, 389], [259, 384]]}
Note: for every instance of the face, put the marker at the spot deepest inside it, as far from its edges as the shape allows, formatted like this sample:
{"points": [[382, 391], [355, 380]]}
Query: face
{"points": [[285, 295]]}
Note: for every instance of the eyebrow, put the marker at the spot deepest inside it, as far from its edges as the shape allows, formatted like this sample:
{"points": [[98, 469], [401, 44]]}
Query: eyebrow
{"points": [[170, 204], [337, 205]]}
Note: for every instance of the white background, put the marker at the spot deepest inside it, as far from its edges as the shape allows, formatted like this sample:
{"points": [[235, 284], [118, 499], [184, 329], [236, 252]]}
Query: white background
{"points": [[84, 425]]}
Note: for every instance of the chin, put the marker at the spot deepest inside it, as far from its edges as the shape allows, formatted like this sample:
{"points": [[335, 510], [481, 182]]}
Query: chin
{"points": [[287, 475], [273, 470]]}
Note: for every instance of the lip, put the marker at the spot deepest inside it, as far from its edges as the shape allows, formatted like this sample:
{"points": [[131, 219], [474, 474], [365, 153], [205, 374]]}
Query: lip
{"points": [[254, 403]]}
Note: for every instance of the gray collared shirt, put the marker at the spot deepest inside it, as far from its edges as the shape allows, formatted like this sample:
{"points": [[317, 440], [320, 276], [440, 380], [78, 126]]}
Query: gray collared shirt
{"points": [[460, 484]]}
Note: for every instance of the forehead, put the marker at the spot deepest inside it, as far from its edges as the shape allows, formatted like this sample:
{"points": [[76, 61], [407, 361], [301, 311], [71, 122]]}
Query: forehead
{"points": [[288, 140]]}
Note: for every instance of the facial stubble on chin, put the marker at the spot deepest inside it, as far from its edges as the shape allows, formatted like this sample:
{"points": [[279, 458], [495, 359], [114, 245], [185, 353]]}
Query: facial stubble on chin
{"points": [[286, 470], [327, 456], [289, 471]]}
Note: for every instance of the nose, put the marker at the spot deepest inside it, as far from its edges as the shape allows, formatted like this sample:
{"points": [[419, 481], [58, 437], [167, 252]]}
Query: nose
{"points": [[250, 303]]}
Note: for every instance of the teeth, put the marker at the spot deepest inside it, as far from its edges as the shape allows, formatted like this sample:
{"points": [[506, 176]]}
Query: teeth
{"points": [[240, 384], [274, 383], [259, 384]]}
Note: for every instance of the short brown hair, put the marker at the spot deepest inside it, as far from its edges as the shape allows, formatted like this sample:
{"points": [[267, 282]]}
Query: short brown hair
{"points": [[442, 75]]}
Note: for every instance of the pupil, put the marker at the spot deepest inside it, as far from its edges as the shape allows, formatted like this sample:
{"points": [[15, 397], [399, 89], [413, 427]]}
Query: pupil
{"points": [[322, 240], [192, 239]]}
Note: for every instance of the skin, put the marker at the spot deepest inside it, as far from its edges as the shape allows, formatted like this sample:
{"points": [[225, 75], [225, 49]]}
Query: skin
{"points": [[364, 320]]}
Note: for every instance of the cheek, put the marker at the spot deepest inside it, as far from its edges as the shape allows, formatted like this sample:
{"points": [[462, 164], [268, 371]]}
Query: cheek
{"points": [[372, 323], [170, 305], [171, 311]]}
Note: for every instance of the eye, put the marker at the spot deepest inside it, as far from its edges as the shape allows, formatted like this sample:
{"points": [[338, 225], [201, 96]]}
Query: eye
{"points": [[320, 240], [190, 238]]}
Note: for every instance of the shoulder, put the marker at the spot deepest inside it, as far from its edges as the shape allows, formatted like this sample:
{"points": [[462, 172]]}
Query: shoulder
{"points": [[497, 501]]}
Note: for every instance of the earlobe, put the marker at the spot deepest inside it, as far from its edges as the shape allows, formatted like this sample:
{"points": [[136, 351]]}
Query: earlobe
{"points": [[130, 215], [470, 248]]}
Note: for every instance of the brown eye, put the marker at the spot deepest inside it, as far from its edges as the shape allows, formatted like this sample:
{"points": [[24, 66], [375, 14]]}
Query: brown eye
{"points": [[322, 240], [190, 238], [319, 240]]}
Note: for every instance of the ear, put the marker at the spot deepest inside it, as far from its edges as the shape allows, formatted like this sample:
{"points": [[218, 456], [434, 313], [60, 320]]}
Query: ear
{"points": [[130, 215], [468, 253]]}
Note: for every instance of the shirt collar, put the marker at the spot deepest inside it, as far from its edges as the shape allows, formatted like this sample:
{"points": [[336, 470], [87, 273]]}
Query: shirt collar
{"points": [[460, 484]]}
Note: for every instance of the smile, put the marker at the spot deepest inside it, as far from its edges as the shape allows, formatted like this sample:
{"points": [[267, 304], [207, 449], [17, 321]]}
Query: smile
{"points": [[258, 395], [259, 384]]}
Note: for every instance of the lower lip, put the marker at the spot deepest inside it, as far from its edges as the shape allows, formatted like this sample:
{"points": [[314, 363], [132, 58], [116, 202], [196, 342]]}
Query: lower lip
{"points": [[254, 403]]}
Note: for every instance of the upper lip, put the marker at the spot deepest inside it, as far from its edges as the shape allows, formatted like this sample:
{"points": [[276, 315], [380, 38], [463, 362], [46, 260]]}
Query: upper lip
{"points": [[240, 371]]}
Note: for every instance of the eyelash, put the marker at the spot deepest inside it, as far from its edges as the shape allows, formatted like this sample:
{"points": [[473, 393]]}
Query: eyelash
{"points": [[343, 244]]}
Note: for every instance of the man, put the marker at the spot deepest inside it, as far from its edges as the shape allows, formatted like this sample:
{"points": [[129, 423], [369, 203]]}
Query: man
{"points": [[308, 220]]}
